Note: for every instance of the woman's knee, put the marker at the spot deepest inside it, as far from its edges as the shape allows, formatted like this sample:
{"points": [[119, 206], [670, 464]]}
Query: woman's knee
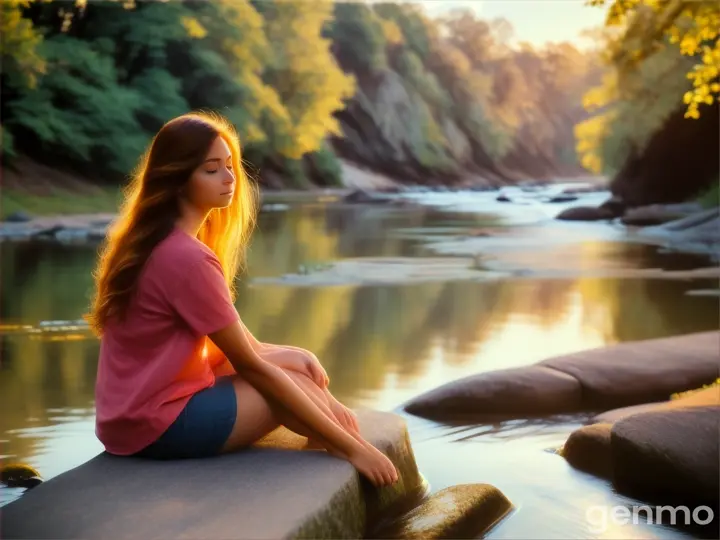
{"points": [[254, 418]]}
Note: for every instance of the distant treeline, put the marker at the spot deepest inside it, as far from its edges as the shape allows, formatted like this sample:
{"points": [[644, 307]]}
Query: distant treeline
{"points": [[86, 84]]}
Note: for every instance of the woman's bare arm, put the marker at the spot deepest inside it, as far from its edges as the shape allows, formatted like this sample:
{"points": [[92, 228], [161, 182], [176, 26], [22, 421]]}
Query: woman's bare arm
{"points": [[271, 380]]}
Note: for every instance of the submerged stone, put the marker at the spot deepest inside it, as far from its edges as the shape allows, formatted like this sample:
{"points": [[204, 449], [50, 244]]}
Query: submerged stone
{"points": [[462, 511]]}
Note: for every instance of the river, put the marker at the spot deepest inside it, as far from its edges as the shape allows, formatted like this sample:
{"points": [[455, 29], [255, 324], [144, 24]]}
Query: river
{"points": [[381, 344]]}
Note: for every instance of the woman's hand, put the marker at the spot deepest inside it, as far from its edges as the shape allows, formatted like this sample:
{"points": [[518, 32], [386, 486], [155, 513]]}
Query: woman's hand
{"points": [[315, 370], [298, 360]]}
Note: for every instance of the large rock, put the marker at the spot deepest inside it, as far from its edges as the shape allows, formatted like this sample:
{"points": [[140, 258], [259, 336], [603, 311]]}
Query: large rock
{"points": [[669, 457], [588, 449], [642, 371], [701, 398], [463, 511], [657, 214], [518, 392], [616, 376], [699, 232], [271, 491], [585, 213]]}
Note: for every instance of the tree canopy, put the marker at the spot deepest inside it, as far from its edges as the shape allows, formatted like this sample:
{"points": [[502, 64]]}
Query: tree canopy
{"points": [[86, 84]]}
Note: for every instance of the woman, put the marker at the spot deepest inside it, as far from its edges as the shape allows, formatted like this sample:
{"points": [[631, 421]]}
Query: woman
{"points": [[179, 375]]}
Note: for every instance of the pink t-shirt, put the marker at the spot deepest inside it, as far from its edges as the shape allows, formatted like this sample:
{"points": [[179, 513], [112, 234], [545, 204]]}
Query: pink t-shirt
{"points": [[154, 361]]}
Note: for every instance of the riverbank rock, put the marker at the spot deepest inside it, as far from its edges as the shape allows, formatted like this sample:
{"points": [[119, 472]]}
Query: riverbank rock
{"points": [[700, 398], [19, 475], [642, 371], [562, 198], [699, 232], [588, 449], [598, 379], [658, 214], [361, 196], [670, 457], [270, 491], [585, 213], [665, 457], [518, 392], [463, 511]]}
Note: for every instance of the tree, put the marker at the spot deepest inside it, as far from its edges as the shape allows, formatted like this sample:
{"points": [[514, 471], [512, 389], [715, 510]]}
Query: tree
{"points": [[651, 25]]}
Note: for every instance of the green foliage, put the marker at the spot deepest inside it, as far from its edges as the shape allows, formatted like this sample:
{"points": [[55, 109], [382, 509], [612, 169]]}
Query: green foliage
{"points": [[711, 197], [359, 35], [633, 109], [327, 166], [295, 172], [414, 26], [19, 58], [310, 84], [7, 142], [409, 65], [88, 83], [79, 110]]}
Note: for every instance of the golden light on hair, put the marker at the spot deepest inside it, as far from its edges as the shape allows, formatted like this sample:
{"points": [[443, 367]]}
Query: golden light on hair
{"points": [[150, 209]]}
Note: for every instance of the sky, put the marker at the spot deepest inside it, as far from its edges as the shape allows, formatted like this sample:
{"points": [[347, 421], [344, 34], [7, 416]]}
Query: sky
{"points": [[535, 21]]}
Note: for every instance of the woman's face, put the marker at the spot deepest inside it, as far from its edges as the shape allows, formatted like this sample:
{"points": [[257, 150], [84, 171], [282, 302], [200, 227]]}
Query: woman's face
{"points": [[212, 184]]}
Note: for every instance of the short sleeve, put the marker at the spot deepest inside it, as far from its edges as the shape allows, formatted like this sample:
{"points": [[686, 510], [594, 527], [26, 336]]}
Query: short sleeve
{"points": [[202, 298]]}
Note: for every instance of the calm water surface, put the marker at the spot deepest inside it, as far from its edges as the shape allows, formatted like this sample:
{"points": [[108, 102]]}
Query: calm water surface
{"points": [[380, 345]]}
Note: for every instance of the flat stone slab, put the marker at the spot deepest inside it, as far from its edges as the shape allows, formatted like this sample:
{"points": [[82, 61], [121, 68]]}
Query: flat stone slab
{"points": [[462, 511], [517, 392], [615, 376], [700, 398], [642, 371], [670, 456], [273, 491]]}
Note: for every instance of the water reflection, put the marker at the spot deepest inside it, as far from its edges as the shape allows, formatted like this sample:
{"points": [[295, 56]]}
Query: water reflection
{"points": [[381, 345]]}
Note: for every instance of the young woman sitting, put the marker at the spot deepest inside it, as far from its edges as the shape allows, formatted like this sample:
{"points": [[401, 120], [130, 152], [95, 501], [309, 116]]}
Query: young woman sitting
{"points": [[179, 375]]}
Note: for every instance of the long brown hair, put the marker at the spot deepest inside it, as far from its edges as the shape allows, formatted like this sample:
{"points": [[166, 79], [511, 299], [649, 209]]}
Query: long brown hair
{"points": [[150, 208]]}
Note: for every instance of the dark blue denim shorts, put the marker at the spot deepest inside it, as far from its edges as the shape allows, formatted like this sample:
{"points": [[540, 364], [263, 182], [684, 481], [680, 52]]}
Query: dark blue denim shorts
{"points": [[202, 427]]}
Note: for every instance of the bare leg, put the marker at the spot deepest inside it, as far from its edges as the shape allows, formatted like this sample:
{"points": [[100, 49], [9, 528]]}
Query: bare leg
{"points": [[257, 416]]}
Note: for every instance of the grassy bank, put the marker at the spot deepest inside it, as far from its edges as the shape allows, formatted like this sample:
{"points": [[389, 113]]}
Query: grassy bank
{"points": [[59, 202]]}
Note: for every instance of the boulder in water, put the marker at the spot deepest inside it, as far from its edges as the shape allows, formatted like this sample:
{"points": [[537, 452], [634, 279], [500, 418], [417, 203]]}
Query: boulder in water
{"points": [[699, 398], [588, 449], [360, 196], [585, 213], [562, 198], [644, 371], [670, 457], [462, 511], [644, 216], [507, 393], [615, 376]]}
